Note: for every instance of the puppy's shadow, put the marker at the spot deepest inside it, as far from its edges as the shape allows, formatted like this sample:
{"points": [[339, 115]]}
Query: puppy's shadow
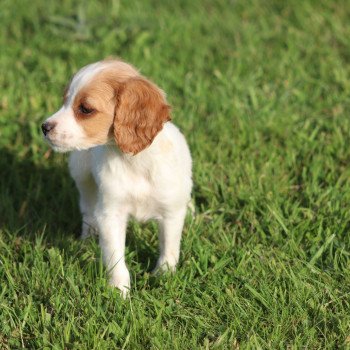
{"points": [[36, 198], [40, 199]]}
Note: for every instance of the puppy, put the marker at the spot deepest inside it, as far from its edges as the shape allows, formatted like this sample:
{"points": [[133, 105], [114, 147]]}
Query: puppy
{"points": [[127, 160]]}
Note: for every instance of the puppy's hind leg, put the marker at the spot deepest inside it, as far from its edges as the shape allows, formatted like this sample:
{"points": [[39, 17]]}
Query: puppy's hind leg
{"points": [[170, 231], [79, 165]]}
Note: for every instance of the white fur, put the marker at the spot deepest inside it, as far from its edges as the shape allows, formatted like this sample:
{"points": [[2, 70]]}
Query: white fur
{"points": [[69, 135], [153, 184]]}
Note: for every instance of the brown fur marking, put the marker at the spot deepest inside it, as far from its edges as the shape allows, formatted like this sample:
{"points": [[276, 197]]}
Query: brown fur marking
{"points": [[140, 115]]}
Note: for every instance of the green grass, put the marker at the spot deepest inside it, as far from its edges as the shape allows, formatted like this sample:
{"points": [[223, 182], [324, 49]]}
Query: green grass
{"points": [[261, 89]]}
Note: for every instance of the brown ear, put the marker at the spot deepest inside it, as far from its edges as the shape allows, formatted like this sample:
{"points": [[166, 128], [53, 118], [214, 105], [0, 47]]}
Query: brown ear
{"points": [[141, 111]]}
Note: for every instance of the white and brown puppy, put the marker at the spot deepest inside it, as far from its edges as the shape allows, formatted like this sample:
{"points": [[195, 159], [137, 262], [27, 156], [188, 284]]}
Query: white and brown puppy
{"points": [[128, 159]]}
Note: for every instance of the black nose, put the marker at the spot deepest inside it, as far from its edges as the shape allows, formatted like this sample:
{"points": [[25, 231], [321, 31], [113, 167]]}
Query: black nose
{"points": [[46, 127]]}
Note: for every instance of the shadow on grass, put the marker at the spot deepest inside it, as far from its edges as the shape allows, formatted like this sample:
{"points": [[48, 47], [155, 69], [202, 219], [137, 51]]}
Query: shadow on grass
{"points": [[41, 200], [35, 198]]}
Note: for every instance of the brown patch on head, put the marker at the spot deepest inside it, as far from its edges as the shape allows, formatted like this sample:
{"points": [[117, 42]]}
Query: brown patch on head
{"points": [[141, 112], [93, 108], [117, 101]]}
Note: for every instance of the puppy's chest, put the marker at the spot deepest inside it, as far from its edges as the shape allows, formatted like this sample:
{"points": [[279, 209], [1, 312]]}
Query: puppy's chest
{"points": [[130, 187]]}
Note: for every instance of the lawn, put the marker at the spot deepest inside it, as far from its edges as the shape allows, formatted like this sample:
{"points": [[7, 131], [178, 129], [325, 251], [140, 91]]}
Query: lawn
{"points": [[261, 90]]}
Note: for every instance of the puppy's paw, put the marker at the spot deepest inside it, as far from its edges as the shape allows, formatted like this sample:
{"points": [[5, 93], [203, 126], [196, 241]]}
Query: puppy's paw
{"points": [[122, 282], [165, 264], [124, 290]]}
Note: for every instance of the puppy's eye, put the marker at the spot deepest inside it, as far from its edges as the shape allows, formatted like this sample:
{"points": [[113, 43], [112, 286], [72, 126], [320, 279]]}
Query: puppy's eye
{"points": [[85, 110]]}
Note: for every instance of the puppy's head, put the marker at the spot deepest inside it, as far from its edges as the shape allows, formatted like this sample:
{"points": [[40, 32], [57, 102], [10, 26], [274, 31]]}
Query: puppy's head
{"points": [[104, 101]]}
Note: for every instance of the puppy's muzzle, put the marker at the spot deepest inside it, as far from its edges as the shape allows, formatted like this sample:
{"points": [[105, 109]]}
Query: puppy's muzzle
{"points": [[47, 127]]}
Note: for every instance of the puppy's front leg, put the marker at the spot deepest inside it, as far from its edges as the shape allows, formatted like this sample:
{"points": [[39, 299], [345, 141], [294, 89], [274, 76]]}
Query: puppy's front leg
{"points": [[87, 202], [79, 166], [112, 229]]}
